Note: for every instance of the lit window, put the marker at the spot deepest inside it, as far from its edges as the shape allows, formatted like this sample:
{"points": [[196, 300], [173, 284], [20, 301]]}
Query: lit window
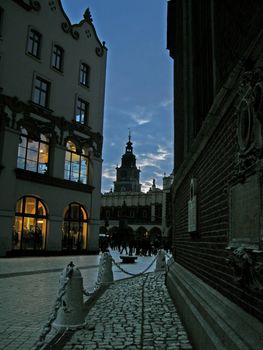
{"points": [[41, 91], [33, 43], [57, 57], [33, 154], [30, 227], [82, 109], [76, 164], [84, 74], [75, 228]]}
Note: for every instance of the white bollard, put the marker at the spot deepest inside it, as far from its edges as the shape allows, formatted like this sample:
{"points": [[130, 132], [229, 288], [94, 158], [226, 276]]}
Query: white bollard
{"points": [[70, 314], [105, 274], [160, 261]]}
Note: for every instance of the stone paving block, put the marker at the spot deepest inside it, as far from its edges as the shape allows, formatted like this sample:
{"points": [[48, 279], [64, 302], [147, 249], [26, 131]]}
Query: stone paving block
{"points": [[122, 306]]}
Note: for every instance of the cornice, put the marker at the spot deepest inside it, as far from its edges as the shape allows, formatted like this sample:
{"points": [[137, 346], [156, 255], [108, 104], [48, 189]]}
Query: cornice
{"points": [[17, 106], [223, 103], [52, 181], [70, 28], [33, 5]]}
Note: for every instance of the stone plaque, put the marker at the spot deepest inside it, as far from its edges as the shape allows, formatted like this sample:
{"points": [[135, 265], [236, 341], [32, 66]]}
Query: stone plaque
{"points": [[192, 214], [245, 213]]}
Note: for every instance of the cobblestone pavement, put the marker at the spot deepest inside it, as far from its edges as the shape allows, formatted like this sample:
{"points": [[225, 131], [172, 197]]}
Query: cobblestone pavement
{"points": [[132, 314], [28, 289]]}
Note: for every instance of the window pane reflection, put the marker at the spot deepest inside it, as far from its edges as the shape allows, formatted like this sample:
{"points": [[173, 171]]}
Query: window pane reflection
{"points": [[29, 231], [33, 155], [76, 165], [75, 228]]}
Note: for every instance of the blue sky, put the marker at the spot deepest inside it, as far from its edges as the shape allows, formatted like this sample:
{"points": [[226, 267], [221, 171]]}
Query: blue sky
{"points": [[138, 84]]}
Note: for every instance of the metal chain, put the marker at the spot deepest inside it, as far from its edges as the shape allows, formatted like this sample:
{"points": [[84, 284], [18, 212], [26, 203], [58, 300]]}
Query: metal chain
{"points": [[47, 327], [98, 282], [167, 255], [134, 274]]}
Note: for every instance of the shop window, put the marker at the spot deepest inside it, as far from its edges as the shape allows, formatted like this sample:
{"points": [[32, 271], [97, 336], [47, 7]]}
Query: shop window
{"points": [[75, 228], [29, 231], [33, 154], [76, 164]]}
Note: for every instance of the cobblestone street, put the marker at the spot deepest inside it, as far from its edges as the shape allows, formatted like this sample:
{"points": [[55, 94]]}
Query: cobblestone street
{"points": [[28, 288], [133, 313]]}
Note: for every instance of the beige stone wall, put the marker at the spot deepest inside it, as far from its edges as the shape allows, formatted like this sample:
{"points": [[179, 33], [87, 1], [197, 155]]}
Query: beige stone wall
{"points": [[17, 72]]}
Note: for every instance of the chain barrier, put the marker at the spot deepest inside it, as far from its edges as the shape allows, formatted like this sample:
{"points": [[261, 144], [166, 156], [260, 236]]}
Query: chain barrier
{"points": [[98, 282], [170, 260], [101, 270], [48, 326], [167, 255], [134, 274]]}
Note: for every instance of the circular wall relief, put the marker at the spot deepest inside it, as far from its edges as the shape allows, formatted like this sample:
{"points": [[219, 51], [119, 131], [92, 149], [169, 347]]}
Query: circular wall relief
{"points": [[245, 126]]}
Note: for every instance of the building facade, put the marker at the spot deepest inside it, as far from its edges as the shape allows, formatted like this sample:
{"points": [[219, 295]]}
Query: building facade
{"points": [[52, 81], [216, 279], [144, 214]]}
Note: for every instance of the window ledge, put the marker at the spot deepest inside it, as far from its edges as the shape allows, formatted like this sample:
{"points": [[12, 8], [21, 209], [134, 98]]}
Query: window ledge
{"points": [[84, 86], [36, 58], [79, 125], [59, 71], [52, 181], [42, 108]]}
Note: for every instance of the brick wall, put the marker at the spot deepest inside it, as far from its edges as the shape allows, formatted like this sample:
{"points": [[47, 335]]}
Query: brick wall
{"points": [[206, 255]]}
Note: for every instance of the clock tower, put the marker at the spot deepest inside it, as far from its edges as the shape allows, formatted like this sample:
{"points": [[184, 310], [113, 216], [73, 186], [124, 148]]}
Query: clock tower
{"points": [[128, 175]]}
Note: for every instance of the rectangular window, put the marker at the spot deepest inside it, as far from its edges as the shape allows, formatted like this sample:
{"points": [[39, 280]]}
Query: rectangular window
{"points": [[33, 154], [41, 91], [84, 74], [82, 111], [57, 58], [33, 43]]}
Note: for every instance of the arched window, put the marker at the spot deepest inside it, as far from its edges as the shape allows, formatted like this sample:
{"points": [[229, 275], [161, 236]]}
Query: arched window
{"points": [[33, 153], [30, 227], [76, 164], [75, 228]]}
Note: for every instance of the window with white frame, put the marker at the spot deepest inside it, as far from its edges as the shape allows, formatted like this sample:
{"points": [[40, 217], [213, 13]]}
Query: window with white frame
{"points": [[57, 57], [84, 77], [33, 154], [41, 91], [82, 110], [33, 43], [76, 164]]}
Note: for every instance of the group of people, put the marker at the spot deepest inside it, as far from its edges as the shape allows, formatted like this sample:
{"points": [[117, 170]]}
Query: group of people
{"points": [[141, 247]]}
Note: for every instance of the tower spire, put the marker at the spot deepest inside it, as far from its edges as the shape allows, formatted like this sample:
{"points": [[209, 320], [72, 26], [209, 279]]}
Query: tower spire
{"points": [[129, 134]]}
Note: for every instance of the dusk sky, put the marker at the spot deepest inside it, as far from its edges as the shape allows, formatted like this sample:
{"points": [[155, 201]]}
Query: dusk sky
{"points": [[138, 84]]}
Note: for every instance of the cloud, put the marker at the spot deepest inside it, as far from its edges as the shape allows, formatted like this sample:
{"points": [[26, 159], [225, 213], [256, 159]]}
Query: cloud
{"points": [[140, 119], [154, 159], [139, 114], [109, 173], [146, 186], [166, 103]]}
